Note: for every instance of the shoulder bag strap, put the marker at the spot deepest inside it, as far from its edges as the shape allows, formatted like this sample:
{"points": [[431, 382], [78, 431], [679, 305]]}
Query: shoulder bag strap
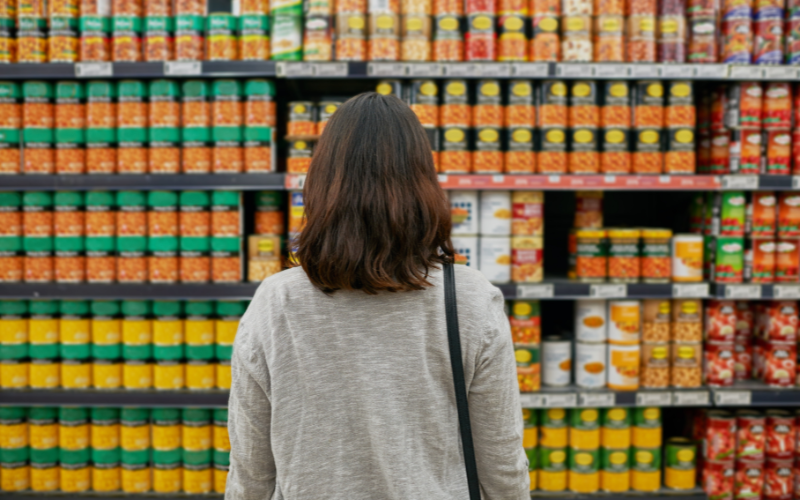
{"points": [[454, 341]]}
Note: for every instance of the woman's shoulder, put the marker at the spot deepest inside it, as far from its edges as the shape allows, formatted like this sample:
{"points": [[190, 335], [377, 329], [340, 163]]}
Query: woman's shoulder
{"points": [[474, 284]]}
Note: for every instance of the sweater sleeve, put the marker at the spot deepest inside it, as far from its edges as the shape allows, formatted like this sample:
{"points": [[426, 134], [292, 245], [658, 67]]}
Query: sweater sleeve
{"points": [[496, 414], [252, 465]]}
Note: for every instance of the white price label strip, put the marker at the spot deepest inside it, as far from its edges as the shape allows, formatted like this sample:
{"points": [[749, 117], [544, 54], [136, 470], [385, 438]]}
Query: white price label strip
{"points": [[739, 182], [576, 70], [786, 291], [494, 70], [175, 68], [694, 291], [653, 399], [611, 70], [747, 72], [530, 70], [604, 291], [742, 291], [780, 73], [386, 69], [732, 398], [425, 69], [796, 182], [534, 291], [711, 71], [459, 69], [296, 69], [560, 400], [596, 399], [332, 69], [531, 400], [92, 69], [645, 70], [677, 71], [690, 398]]}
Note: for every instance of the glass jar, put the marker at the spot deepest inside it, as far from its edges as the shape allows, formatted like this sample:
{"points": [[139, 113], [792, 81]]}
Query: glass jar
{"points": [[655, 255], [591, 255], [623, 255]]}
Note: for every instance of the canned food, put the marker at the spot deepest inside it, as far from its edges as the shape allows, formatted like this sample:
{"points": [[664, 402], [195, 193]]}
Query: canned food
{"points": [[616, 428], [686, 360], [584, 430], [556, 361], [525, 322], [553, 469], [718, 479], [614, 469], [590, 320], [645, 469], [656, 320], [624, 321], [750, 435], [584, 466], [743, 360], [655, 365], [590, 364], [623, 366], [687, 258], [748, 479], [680, 461], [720, 320], [720, 436], [778, 479]]}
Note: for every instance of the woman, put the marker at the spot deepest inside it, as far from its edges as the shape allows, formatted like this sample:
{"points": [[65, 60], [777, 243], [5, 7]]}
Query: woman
{"points": [[342, 384]]}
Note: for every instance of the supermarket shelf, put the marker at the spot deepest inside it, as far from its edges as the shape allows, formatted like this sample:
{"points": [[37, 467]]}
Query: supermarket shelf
{"points": [[97, 397], [98, 495], [695, 494], [576, 397], [236, 291], [144, 182], [756, 291], [565, 289], [172, 69], [753, 393]]}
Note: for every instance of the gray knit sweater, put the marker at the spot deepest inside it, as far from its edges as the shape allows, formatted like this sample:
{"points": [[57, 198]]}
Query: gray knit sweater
{"points": [[350, 396]]}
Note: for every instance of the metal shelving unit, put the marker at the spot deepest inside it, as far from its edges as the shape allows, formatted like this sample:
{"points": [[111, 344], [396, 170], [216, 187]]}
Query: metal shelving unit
{"points": [[170, 69], [238, 182], [98, 495], [104, 397], [145, 291]]}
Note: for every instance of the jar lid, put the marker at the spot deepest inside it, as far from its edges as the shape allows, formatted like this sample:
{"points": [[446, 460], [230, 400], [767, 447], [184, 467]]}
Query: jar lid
{"points": [[134, 415], [194, 198], [13, 307], [229, 198], [100, 90], [131, 88], [624, 233], [167, 308], [44, 307], [259, 87], [226, 88], [131, 198], [105, 307], [10, 199], [69, 90], [162, 198], [68, 199], [135, 308], [590, 233], [199, 308], [164, 88], [99, 414], [99, 199], [74, 307], [72, 413], [230, 308], [37, 199], [163, 244], [656, 233], [195, 88]]}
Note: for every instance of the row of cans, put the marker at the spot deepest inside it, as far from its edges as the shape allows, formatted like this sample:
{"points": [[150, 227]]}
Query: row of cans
{"points": [[749, 105], [761, 214], [748, 151]]}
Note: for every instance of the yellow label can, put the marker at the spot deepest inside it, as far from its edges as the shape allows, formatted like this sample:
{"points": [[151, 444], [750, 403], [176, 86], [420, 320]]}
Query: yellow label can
{"points": [[137, 375], [15, 477], [106, 477], [220, 478], [135, 437], [44, 477], [554, 437], [615, 482], [45, 374], [584, 439], [196, 479], [679, 479], [645, 481], [73, 437], [107, 374], [43, 331], [221, 440], [532, 475], [166, 437], [552, 480], [196, 437], [137, 331], [44, 436], [199, 332], [200, 375], [530, 437], [136, 478], [167, 478], [14, 435], [224, 375], [168, 332], [226, 331], [106, 331], [76, 374], [75, 478], [168, 375], [13, 374], [75, 331], [105, 437], [646, 437], [616, 438], [588, 482], [13, 331]]}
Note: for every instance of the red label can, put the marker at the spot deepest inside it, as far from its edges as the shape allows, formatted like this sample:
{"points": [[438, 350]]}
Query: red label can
{"points": [[779, 151], [780, 321], [763, 268], [742, 360], [749, 480], [720, 436], [763, 220], [788, 215], [787, 261], [719, 103], [796, 150], [777, 104], [768, 41], [745, 151], [744, 320], [719, 363], [720, 152], [744, 103], [780, 366], [778, 479], [750, 435], [780, 432], [720, 320], [718, 480]]}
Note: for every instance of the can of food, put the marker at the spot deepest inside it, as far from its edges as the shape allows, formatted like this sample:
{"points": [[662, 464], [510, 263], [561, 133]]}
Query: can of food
{"points": [[745, 151], [625, 321], [720, 320], [623, 366], [778, 479], [656, 320], [743, 103], [615, 469], [525, 322], [646, 430], [778, 145], [553, 468], [530, 431], [680, 457], [779, 321], [717, 479], [655, 365], [495, 258], [750, 435], [743, 360], [590, 364], [645, 468], [687, 321], [528, 367], [464, 210], [495, 213], [720, 435], [786, 261], [762, 215], [780, 434], [466, 250], [584, 470], [556, 361], [719, 364], [527, 213], [554, 433], [780, 363], [584, 429], [687, 364], [760, 261], [616, 428], [748, 479], [590, 320], [526, 259], [687, 258]]}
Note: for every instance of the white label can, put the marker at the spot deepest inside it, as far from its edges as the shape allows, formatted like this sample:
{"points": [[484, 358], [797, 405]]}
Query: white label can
{"points": [[591, 320], [464, 212], [496, 213], [466, 248], [590, 364], [556, 362], [495, 257], [624, 321]]}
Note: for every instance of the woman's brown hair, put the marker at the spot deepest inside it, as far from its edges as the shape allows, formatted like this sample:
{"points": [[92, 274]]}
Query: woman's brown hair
{"points": [[376, 216]]}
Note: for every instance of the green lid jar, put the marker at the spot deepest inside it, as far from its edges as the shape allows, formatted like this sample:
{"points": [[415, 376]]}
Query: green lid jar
{"points": [[259, 89], [221, 457], [98, 201], [193, 201], [197, 457], [162, 200], [67, 201], [129, 200], [11, 309], [10, 201], [230, 309], [105, 457], [42, 415], [34, 201], [14, 455], [37, 246], [165, 457], [9, 92], [94, 24], [104, 416], [75, 329], [11, 415], [196, 416], [73, 415]]}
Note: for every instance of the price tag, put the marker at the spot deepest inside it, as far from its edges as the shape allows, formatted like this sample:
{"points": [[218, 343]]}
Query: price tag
{"points": [[332, 70], [386, 69], [442, 178], [742, 291], [425, 70], [780, 73], [711, 71], [645, 70], [690, 398], [677, 71], [608, 291], [494, 70], [653, 399], [176, 68], [786, 291], [576, 70], [611, 70], [459, 69], [531, 400], [295, 181], [92, 69], [732, 398], [296, 69], [739, 182], [530, 70], [694, 291], [535, 291], [560, 400], [746, 73], [796, 182], [596, 399]]}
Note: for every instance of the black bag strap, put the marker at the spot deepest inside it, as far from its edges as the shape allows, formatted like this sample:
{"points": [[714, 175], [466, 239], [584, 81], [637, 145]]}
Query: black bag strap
{"points": [[454, 341]]}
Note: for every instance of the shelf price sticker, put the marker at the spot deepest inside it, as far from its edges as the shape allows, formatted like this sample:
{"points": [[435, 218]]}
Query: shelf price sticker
{"points": [[429, 70], [386, 69], [742, 291], [296, 69], [746, 72], [693, 290], [494, 70], [530, 70], [339, 69], [596, 399], [732, 398], [531, 400], [786, 291], [677, 71], [459, 69], [567, 400], [535, 291], [691, 398], [608, 291], [295, 181], [780, 73], [93, 69], [611, 70], [796, 182], [739, 182], [645, 71], [653, 399], [575, 70], [175, 68], [711, 71]]}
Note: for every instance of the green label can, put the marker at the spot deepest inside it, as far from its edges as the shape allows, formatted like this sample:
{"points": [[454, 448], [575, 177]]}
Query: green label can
{"points": [[584, 461], [615, 418], [729, 260], [533, 458], [585, 419], [732, 213], [554, 417], [553, 459], [680, 457], [615, 459], [645, 459], [647, 417], [287, 37]]}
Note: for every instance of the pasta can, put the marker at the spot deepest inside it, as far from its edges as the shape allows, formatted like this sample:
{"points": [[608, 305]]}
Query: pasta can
{"points": [[778, 144], [591, 320], [552, 156], [655, 365], [719, 364], [525, 322], [686, 359], [778, 479], [614, 469], [645, 469], [546, 40], [553, 468], [679, 157], [554, 433], [488, 109], [646, 430], [590, 365], [680, 457], [448, 42], [584, 108], [648, 156], [520, 157], [750, 435], [623, 366], [748, 481], [556, 361], [584, 470], [487, 158], [625, 321], [512, 43], [648, 104]]}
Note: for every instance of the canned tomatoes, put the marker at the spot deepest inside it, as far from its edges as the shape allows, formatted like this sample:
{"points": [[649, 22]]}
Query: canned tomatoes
{"points": [[779, 321], [719, 363], [742, 360], [777, 106], [778, 479], [720, 436], [720, 320], [718, 480], [780, 363], [750, 435], [749, 479], [780, 434], [744, 320], [762, 214]]}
